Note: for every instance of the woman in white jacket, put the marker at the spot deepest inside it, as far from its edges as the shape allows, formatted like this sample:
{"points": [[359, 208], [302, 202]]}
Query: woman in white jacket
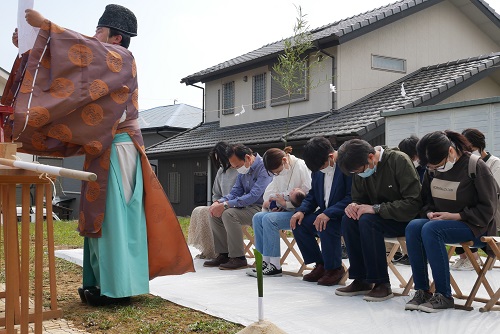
{"points": [[290, 175]]}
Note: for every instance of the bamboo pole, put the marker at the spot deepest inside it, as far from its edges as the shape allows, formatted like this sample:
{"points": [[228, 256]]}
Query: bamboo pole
{"points": [[41, 168]]}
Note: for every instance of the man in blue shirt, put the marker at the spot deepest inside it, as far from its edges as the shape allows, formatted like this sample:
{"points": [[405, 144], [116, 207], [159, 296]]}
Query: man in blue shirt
{"points": [[237, 208]]}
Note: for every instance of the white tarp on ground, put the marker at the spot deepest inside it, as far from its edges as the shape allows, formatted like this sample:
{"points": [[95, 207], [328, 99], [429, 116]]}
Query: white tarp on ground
{"points": [[302, 307]]}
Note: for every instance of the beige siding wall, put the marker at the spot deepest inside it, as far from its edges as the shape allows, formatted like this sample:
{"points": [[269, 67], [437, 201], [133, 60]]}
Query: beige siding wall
{"points": [[320, 98], [432, 36], [479, 90]]}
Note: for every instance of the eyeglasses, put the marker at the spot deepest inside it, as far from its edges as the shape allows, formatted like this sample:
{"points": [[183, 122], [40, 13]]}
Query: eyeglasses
{"points": [[438, 168]]}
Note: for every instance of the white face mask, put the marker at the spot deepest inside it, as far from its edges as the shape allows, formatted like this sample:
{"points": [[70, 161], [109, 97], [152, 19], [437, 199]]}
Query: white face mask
{"points": [[243, 169], [476, 152], [416, 163], [284, 171], [447, 166], [328, 169]]}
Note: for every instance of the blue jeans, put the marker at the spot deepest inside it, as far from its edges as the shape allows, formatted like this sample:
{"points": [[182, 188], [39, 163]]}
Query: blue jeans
{"points": [[364, 239], [425, 240], [266, 228], [331, 249]]}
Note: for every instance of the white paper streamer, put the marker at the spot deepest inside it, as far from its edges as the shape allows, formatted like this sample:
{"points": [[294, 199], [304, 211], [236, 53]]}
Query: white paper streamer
{"points": [[26, 33]]}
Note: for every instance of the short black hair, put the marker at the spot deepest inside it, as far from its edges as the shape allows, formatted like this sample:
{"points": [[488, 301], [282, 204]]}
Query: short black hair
{"points": [[299, 197], [316, 152], [239, 150], [476, 138], [409, 146], [353, 154], [125, 38]]}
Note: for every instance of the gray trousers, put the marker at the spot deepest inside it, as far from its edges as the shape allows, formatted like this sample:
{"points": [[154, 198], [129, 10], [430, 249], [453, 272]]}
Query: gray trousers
{"points": [[228, 236]]}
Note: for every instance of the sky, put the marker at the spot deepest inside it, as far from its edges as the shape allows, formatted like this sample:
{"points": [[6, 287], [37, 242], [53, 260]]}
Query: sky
{"points": [[177, 38]]}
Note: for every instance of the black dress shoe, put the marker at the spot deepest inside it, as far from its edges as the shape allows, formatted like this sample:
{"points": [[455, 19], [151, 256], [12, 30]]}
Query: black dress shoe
{"points": [[94, 299], [81, 292]]}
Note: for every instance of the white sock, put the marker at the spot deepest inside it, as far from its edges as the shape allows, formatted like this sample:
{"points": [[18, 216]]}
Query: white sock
{"points": [[275, 261], [265, 259]]}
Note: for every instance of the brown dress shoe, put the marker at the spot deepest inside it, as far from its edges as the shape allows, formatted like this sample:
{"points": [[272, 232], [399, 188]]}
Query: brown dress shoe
{"points": [[332, 276], [217, 261], [234, 263], [315, 274], [380, 292], [357, 287]]}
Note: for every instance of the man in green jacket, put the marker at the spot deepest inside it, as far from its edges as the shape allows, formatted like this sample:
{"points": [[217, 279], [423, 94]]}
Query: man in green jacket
{"points": [[385, 197]]}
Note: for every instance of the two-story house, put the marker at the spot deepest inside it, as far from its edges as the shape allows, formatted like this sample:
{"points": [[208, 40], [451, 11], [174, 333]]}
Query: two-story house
{"points": [[408, 54]]}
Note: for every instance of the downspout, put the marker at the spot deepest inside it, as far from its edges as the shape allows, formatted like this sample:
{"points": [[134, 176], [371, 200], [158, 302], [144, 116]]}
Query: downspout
{"points": [[209, 162], [209, 181], [203, 102], [334, 64]]}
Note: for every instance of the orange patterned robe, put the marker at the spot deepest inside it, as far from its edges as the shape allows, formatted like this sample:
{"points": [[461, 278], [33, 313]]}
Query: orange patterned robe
{"points": [[75, 94]]}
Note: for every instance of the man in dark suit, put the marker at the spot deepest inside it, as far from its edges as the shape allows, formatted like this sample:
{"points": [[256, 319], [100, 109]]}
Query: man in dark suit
{"points": [[320, 213]]}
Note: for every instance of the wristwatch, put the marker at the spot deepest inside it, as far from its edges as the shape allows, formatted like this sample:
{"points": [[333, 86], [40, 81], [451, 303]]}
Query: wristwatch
{"points": [[376, 208], [226, 205]]}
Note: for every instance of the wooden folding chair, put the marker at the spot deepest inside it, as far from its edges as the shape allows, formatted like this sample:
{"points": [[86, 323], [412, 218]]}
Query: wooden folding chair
{"points": [[494, 244], [396, 243], [291, 249], [480, 270], [249, 242]]}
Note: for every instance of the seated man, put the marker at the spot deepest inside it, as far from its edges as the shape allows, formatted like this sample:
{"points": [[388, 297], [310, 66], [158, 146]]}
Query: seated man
{"points": [[321, 212], [237, 208], [385, 197]]}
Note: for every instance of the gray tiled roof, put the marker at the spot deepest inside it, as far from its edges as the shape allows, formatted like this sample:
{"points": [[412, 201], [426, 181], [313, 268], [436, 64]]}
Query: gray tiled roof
{"points": [[426, 86], [172, 116], [336, 33], [330, 33]]}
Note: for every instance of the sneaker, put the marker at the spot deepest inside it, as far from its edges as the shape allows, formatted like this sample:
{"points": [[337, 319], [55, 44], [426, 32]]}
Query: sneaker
{"points": [[420, 297], [357, 287], [315, 274], [457, 264], [467, 265], [253, 272], [234, 263], [403, 260], [379, 293], [437, 303], [222, 258], [272, 271]]}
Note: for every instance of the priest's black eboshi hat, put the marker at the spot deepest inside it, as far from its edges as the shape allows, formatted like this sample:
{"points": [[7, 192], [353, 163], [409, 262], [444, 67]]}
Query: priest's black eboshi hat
{"points": [[119, 18]]}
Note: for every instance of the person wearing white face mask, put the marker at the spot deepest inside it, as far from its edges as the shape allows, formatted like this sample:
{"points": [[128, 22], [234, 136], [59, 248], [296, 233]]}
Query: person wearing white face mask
{"points": [[478, 142], [321, 212], [385, 197], [289, 172], [457, 208], [237, 208]]}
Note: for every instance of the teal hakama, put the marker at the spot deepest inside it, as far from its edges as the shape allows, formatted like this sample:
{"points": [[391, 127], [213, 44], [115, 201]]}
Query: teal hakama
{"points": [[118, 261]]}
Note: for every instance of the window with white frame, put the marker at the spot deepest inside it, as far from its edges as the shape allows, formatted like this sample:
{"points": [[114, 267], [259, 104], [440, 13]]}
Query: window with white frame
{"points": [[228, 98], [259, 91], [388, 64], [279, 95]]}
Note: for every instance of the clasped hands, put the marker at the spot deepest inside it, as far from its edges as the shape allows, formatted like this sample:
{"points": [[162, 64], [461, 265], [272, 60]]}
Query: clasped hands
{"points": [[355, 210]]}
